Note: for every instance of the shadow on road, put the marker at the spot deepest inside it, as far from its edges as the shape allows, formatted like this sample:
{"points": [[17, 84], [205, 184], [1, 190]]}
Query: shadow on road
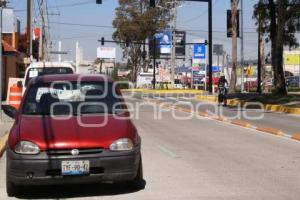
{"points": [[72, 191]]}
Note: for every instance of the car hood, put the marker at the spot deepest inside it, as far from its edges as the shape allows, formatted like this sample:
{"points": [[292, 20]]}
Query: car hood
{"points": [[49, 133]]}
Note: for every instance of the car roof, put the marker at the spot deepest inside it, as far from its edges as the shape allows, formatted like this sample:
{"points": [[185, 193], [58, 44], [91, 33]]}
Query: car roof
{"points": [[71, 78], [50, 64]]}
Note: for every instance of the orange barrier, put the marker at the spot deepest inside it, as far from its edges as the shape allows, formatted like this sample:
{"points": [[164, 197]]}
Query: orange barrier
{"points": [[15, 96]]}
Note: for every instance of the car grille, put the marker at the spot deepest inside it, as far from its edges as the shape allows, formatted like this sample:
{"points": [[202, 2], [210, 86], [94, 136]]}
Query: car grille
{"points": [[67, 152]]}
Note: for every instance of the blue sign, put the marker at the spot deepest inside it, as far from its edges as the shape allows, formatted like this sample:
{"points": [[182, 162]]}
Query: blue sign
{"points": [[199, 51], [216, 68]]}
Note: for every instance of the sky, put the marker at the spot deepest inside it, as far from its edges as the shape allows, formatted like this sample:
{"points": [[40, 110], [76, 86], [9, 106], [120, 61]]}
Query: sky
{"points": [[192, 17]]}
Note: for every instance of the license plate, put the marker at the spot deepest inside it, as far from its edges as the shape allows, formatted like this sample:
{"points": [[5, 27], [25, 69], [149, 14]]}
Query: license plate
{"points": [[77, 167]]}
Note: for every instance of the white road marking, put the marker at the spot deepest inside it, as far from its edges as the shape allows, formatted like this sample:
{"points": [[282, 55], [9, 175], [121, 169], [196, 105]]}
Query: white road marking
{"points": [[167, 151]]}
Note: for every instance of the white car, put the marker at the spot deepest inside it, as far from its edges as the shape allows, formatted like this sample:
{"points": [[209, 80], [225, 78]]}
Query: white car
{"points": [[44, 68]]}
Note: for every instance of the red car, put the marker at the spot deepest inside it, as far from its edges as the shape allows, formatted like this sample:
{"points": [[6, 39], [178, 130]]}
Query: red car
{"points": [[72, 129]]}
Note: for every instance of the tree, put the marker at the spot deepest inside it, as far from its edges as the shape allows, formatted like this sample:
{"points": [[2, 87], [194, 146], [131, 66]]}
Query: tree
{"points": [[135, 22], [234, 16], [280, 21]]}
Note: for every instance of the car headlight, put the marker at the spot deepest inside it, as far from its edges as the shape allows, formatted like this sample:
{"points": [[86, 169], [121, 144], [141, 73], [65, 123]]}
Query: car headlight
{"points": [[123, 144], [28, 148]]}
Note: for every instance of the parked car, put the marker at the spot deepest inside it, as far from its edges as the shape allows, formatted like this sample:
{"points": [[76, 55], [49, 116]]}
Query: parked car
{"points": [[72, 129], [43, 68]]}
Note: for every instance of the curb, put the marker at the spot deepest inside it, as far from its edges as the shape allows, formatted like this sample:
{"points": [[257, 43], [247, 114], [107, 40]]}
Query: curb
{"points": [[203, 114], [171, 91], [296, 137], [270, 130], [241, 123], [3, 141], [219, 118], [244, 124], [267, 107]]}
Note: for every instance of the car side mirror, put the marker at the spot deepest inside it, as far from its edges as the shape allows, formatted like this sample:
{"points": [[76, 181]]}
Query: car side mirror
{"points": [[10, 111], [19, 84]]}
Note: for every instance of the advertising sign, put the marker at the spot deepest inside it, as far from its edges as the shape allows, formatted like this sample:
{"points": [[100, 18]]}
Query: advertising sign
{"points": [[197, 77], [8, 20], [199, 51], [180, 38], [216, 68], [106, 52], [292, 59], [218, 49], [165, 42], [199, 54]]}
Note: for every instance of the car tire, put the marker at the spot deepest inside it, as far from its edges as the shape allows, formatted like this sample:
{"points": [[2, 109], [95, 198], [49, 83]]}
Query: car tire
{"points": [[138, 182]]}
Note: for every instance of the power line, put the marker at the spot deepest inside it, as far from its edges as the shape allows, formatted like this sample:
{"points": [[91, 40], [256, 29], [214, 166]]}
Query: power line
{"points": [[64, 5], [82, 25], [203, 13], [111, 27]]}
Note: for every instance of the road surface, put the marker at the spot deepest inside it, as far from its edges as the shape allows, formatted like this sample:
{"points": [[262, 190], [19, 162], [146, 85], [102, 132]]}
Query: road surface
{"points": [[197, 159], [287, 123]]}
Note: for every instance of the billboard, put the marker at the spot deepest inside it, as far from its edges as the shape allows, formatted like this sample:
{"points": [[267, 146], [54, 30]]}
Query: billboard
{"points": [[165, 42], [106, 52], [180, 38], [218, 49], [8, 24], [292, 59]]}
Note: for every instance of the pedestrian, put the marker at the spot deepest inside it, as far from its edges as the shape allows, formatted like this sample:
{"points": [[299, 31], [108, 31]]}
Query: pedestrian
{"points": [[222, 90]]}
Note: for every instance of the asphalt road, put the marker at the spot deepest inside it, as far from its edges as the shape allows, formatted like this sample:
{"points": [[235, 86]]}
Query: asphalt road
{"points": [[287, 123], [197, 159]]}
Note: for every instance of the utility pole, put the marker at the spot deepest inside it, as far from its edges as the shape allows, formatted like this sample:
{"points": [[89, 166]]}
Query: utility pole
{"points": [[242, 46], [299, 70], [2, 4], [42, 32], [29, 28], [210, 46], [154, 62], [174, 46], [59, 50], [77, 57], [259, 63]]}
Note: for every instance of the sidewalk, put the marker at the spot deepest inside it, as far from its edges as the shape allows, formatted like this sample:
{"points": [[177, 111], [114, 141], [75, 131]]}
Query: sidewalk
{"points": [[5, 125]]}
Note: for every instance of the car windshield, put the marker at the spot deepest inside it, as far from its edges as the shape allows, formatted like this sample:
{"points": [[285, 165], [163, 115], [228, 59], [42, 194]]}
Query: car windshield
{"points": [[72, 98], [34, 72]]}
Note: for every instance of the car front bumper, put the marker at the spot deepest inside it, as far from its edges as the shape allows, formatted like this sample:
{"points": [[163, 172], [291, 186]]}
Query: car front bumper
{"points": [[43, 169]]}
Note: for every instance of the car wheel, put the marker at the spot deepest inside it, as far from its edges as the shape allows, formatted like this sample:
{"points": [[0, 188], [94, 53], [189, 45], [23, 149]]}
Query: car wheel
{"points": [[138, 182]]}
